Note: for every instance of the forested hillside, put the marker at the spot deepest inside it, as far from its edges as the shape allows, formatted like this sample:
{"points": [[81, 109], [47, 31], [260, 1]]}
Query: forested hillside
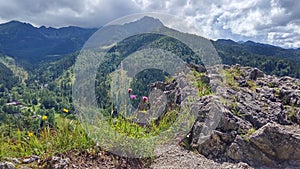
{"points": [[271, 59], [7, 78]]}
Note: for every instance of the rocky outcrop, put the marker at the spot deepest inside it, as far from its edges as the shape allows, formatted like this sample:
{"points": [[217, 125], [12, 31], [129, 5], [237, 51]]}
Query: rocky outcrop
{"points": [[259, 119], [250, 117]]}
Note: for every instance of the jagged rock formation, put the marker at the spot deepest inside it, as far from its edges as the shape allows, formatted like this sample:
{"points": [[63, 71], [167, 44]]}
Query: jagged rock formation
{"points": [[251, 117]]}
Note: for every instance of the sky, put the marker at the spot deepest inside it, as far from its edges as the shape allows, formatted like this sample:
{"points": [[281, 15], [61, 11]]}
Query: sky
{"points": [[275, 22]]}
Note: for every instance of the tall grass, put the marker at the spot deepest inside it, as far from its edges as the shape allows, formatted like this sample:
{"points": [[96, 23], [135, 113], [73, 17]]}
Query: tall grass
{"points": [[67, 135]]}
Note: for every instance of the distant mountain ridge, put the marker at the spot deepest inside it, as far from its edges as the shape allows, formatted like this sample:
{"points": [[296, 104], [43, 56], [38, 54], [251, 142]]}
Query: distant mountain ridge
{"points": [[261, 49], [29, 45], [271, 59]]}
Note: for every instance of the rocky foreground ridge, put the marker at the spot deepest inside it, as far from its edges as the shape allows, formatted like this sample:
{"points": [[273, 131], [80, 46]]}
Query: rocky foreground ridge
{"points": [[258, 117]]}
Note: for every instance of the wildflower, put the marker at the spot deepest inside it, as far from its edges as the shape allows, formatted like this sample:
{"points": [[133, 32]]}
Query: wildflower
{"points": [[30, 134], [132, 97], [178, 139], [44, 118], [129, 90], [144, 98], [65, 110]]}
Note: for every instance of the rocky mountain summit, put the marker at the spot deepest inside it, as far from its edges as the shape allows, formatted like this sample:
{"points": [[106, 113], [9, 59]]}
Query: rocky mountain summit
{"points": [[250, 117]]}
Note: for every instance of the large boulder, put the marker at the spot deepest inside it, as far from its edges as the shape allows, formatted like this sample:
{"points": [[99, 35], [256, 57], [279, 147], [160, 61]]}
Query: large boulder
{"points": [[273, 145]]}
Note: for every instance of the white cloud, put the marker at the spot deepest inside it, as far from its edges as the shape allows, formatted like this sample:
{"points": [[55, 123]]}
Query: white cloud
{"points": [[288, 36], [238, 19], [57, 13], [266, 21]]}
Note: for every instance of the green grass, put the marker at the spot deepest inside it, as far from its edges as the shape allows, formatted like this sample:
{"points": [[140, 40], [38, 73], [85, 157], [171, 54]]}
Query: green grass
{"points": [[128, 138], [245, 135], [251, 131], [71, 135], [169, 79], [203, 88], [234, 108], [68, 135], [135, 130], [251, 84], [292, 112], [134, 139], [277, 92], [271, 85], [230, 75]]}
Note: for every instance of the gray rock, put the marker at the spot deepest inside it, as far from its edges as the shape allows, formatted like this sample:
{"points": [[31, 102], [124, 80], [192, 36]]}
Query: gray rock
{"points": [[241, 150], [198, 68], [14, 160], [205, 79], [255, 73], [290, 96], [274, 144], [7, 165], [31, 159], [59, 163]]}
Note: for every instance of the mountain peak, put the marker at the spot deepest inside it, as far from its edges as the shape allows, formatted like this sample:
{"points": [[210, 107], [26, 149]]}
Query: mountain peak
{"points": [[249, 42], [147, 21], [150, 19], [16, 23], [227, 41]]}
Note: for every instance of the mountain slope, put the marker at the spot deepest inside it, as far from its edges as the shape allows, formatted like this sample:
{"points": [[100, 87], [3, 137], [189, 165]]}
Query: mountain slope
{"points": [[29, 44], [17, 70], [7, 78]]}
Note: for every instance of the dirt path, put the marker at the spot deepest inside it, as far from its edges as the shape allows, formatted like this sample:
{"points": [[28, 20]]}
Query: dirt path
{"points": [[174, 156]]}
